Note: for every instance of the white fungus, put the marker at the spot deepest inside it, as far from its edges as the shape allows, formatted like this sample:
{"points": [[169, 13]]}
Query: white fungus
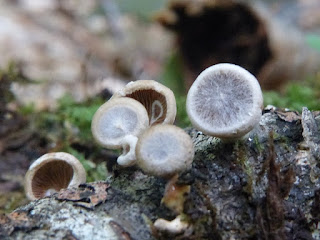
{"points": [[158, 100], [117, 123], [225, 101], [164, 150]]}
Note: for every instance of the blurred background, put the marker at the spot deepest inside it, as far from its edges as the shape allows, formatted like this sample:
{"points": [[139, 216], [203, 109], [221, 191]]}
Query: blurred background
{"points": [[61, 59]]}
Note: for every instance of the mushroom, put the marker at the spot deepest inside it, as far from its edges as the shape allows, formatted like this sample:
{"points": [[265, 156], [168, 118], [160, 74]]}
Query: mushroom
{"points": [[155, 97], [175, 226], [175, 194], [118, 123], [52, 172], [164, 150], [225, 101]]}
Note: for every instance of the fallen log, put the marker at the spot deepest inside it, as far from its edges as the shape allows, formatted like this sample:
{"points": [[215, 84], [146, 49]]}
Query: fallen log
{"points": [[265, 186]]}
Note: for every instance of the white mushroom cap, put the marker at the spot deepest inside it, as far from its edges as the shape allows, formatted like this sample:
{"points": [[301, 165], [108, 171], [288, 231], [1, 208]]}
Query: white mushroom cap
{"points": [[164, 150], [157, 99], [52, 172], [225, 101], [117, 123], [116, 119]]}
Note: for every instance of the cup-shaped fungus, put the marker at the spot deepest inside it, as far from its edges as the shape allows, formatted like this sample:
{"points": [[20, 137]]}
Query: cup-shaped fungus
{"points": [[52, 172], [155, 97], [164, 150], [225, 101], [118, 123]]}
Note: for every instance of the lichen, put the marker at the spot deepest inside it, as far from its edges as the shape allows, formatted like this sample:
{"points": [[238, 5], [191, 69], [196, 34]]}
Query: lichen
{"points": [[236, 191]]}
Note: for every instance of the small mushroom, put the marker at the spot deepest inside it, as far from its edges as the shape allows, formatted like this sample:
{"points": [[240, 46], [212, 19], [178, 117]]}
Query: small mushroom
{"points": [[225, 101], [174, 227], [175, 195], [52, 172], [118, 123], [164, 150], [157, 99]]}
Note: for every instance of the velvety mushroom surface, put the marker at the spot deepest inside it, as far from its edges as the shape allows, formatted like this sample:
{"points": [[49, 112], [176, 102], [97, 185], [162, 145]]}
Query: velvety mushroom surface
{"points": [[158, 100], [117, 124], [116, 119], [164, 150], [52, 172], [225, 101]]}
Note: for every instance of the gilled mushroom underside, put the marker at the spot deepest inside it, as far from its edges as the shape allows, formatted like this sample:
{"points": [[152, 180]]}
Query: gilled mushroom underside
{"points": [[154, 102], [51, 177]]}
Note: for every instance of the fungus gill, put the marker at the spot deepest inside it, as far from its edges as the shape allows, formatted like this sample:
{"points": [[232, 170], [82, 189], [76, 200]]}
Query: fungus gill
{"points": [[52, 172], [158, 100]]}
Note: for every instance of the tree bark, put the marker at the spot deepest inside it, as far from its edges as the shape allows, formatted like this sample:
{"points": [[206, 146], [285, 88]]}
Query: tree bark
{"points": [[264, 186]]}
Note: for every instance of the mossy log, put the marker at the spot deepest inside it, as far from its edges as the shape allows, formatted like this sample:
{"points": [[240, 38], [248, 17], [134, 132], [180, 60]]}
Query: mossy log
{"points": [[265, 186]]}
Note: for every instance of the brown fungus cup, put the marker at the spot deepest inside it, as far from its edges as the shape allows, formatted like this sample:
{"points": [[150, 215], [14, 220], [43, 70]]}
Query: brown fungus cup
{"points": [[158, 100], [52, 172]]}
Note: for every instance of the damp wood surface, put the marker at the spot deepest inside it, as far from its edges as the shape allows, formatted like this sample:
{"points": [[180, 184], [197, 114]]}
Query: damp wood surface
{"points": [[265, 186]]}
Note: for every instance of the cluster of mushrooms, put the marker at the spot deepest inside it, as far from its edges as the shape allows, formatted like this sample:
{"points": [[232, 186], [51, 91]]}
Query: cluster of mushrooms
{"points": [[139, 120], [225, 101]]}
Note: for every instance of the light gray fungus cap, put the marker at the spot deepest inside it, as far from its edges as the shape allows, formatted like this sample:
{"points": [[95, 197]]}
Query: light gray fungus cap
{"points": [[225, 101], [164, 150], [117, 124], [158, 100], [52, 172], [116, 119]]}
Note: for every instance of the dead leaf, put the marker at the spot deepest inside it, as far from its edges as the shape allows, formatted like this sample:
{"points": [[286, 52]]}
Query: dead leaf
{"points": [[291, 116], [87, 195]]}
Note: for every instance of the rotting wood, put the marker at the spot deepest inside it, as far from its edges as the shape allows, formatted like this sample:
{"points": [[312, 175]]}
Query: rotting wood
{"points": [[238, 190]]}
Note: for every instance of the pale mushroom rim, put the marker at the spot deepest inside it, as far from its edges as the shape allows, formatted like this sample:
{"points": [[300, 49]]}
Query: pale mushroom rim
{"points": [[156, 86], [134, 106], [78, 174]]}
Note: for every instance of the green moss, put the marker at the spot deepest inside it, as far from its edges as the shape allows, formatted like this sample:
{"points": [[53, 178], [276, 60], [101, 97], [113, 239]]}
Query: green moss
{"points": [[182, 119], [11, 200], [277, 136], [27, 109], [257, 143], [296, 95], [240, 152], [79, 116], [70, 122], [313, 40], [172, 77], [142, 8], [94, 171], [68, 125]]}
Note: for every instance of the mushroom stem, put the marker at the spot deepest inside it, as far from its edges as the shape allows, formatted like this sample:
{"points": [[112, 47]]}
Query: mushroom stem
{"points": [[49, 192], [175, 226], [128, 157]]}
